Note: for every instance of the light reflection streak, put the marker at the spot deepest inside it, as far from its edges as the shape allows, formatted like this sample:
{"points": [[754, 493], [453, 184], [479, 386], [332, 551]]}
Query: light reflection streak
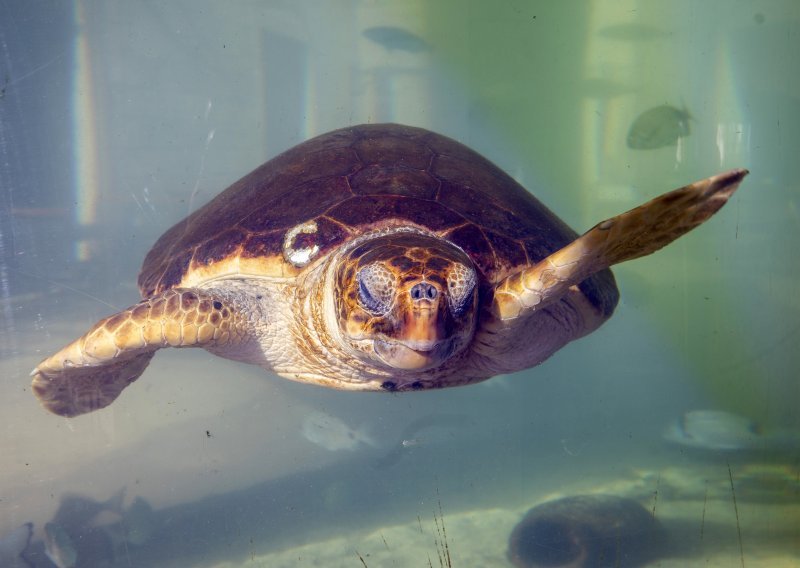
{"points": [[85, 181]]}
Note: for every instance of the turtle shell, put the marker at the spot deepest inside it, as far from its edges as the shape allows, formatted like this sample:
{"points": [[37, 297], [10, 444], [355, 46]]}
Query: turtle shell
{"points": [[308, 201]]}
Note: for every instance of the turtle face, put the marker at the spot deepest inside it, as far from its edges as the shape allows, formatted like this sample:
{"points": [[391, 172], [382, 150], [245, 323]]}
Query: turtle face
{"points": [[406, 301]]}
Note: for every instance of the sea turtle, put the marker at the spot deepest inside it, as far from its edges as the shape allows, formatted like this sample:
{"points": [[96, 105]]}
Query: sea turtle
{"points": [[372, 258]]}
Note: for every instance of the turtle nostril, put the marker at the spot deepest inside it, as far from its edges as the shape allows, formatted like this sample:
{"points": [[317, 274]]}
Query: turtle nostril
{"points": [[423, 291]]}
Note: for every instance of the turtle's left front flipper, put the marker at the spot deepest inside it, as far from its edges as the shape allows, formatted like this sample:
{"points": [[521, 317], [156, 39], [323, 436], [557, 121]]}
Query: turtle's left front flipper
{"points": [[92, 371], [638, 232]]}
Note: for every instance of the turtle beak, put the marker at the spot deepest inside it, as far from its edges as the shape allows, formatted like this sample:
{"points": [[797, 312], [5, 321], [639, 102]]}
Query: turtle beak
{"points": [[400, 356], [420, 339]]}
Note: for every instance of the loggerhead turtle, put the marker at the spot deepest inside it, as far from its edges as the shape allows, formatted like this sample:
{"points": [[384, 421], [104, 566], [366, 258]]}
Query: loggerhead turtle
{"points": [[375, 257]]}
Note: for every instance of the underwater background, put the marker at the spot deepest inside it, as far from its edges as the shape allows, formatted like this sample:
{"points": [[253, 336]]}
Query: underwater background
{"points": [[117, 119]]}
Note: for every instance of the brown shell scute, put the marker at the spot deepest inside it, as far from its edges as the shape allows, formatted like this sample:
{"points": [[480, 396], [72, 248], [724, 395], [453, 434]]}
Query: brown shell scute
{"points": [[220, 247], [392, 151], [377, 179], [372, 209], [351, 181]]}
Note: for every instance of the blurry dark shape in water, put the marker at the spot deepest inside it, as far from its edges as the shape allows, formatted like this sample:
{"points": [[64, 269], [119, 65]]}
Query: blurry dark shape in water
{"points": [[586, 531], [658, 127], [633, 32], [59, 546], [139, 522], [86, 532], [393, 38], [719, 430], [758, 18], [410, 438], [81, 511], [334, 434], [13, 546], [77, 531]]}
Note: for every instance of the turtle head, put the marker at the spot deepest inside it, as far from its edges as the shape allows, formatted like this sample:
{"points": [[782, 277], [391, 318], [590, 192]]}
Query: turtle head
{"points": [[407, 301]]}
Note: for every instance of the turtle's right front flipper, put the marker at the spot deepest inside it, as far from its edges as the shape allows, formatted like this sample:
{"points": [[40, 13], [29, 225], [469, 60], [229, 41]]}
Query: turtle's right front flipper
{"points": [[633, 234], [89, 373]]}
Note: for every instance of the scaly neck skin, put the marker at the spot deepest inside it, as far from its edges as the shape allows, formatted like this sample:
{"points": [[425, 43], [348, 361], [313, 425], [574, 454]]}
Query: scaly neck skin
{"points": [[252, 331], [336, 357]]}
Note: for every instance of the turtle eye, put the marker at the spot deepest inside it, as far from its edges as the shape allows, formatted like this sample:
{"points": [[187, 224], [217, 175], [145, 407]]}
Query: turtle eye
{"points": [[376, 288], [460, 284]]}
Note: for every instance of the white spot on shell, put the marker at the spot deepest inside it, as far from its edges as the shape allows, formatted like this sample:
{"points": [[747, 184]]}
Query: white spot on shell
{"points": [[299, 256]]}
